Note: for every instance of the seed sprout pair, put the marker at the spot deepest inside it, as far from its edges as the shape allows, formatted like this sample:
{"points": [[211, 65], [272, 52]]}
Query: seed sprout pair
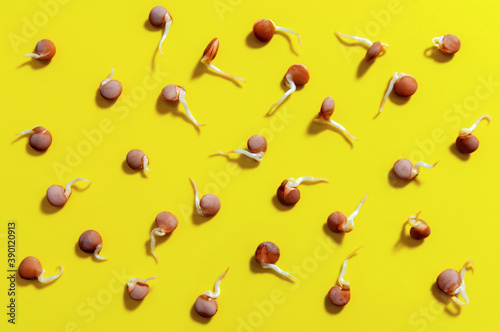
{"points": [[466, 142], [448, 44], [326, 111], [452, 283], [264, 30], [209, 55], [206, 304], [289, 194], [208, 205], [137, 160], [173, 93], [338, 223], [375, 49], [166, 223], [31, 268], [340, 294], [158, 17], [138, 288], [44, 50], [257, 146], [91, 242], [419, 229], [405, 170], [404, 85], [267, 254], [40, 138], [58, 196], [296, 75], [110, 89]]}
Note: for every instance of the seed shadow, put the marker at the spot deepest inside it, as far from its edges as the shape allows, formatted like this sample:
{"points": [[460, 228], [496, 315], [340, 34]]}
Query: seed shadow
{"points": [[200, 69], [406, 240], [363, 67], [164, 107], [128, 302], [287, 37], [34, 152], [242, 160], [148, 26], [315, 128], [103, 102], [35, 64], [47, 208], [331, 308], [126, 168], [434, 53], [200, 220], [79, 252], [159, 241], [395, 99], [396, 182], [277, 204], [337, 237], [457, 153], [253, 42], [445, 300], [197, 318], [256, 268]]}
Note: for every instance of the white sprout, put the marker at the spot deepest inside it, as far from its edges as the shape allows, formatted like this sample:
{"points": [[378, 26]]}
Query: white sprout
{"points": [[277, 269], [345, 284], [67, 190], [132, 281], [196, 197], [29, 131], [97, 251], [287, 30], [412, 220], [158, 231], [182, 100], [145, 162], [44, 280], [415, 168], [396, 76], [216, 294], [467, 131], [438, 41], [292, 87], [33, 55], [295, 183], [349, 225], [110, 77], [255, 156], [336, 125], [168, 23], [211, 66], [360, 39], [461, 289]]}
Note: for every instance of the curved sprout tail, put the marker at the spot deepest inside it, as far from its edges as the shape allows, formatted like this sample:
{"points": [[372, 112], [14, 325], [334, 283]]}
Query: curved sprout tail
{"points": [[461, 289], [289, 31], [349, 225], [438, 41], [342, 283], [216, 294], [295, 183], [97, 251], [110, 77], [340, 127], [29, 131], [54, 277], [396, 76], [132, 281], [182, 100], [33, 55], [277, 269], [145, 162], [196, 197], [159, 232], [254, 156], [167, 27], [360, 39], [467, 131], [421, 164], [211, 66], [67, 190], [412, 220], [289, 83]]}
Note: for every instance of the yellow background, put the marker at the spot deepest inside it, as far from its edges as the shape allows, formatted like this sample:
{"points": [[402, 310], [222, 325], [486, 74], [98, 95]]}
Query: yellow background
{"points": [[392, 278]]}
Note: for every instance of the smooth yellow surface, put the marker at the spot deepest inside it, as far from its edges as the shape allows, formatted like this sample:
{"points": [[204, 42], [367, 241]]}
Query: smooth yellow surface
{"points": [[392, 279]]}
